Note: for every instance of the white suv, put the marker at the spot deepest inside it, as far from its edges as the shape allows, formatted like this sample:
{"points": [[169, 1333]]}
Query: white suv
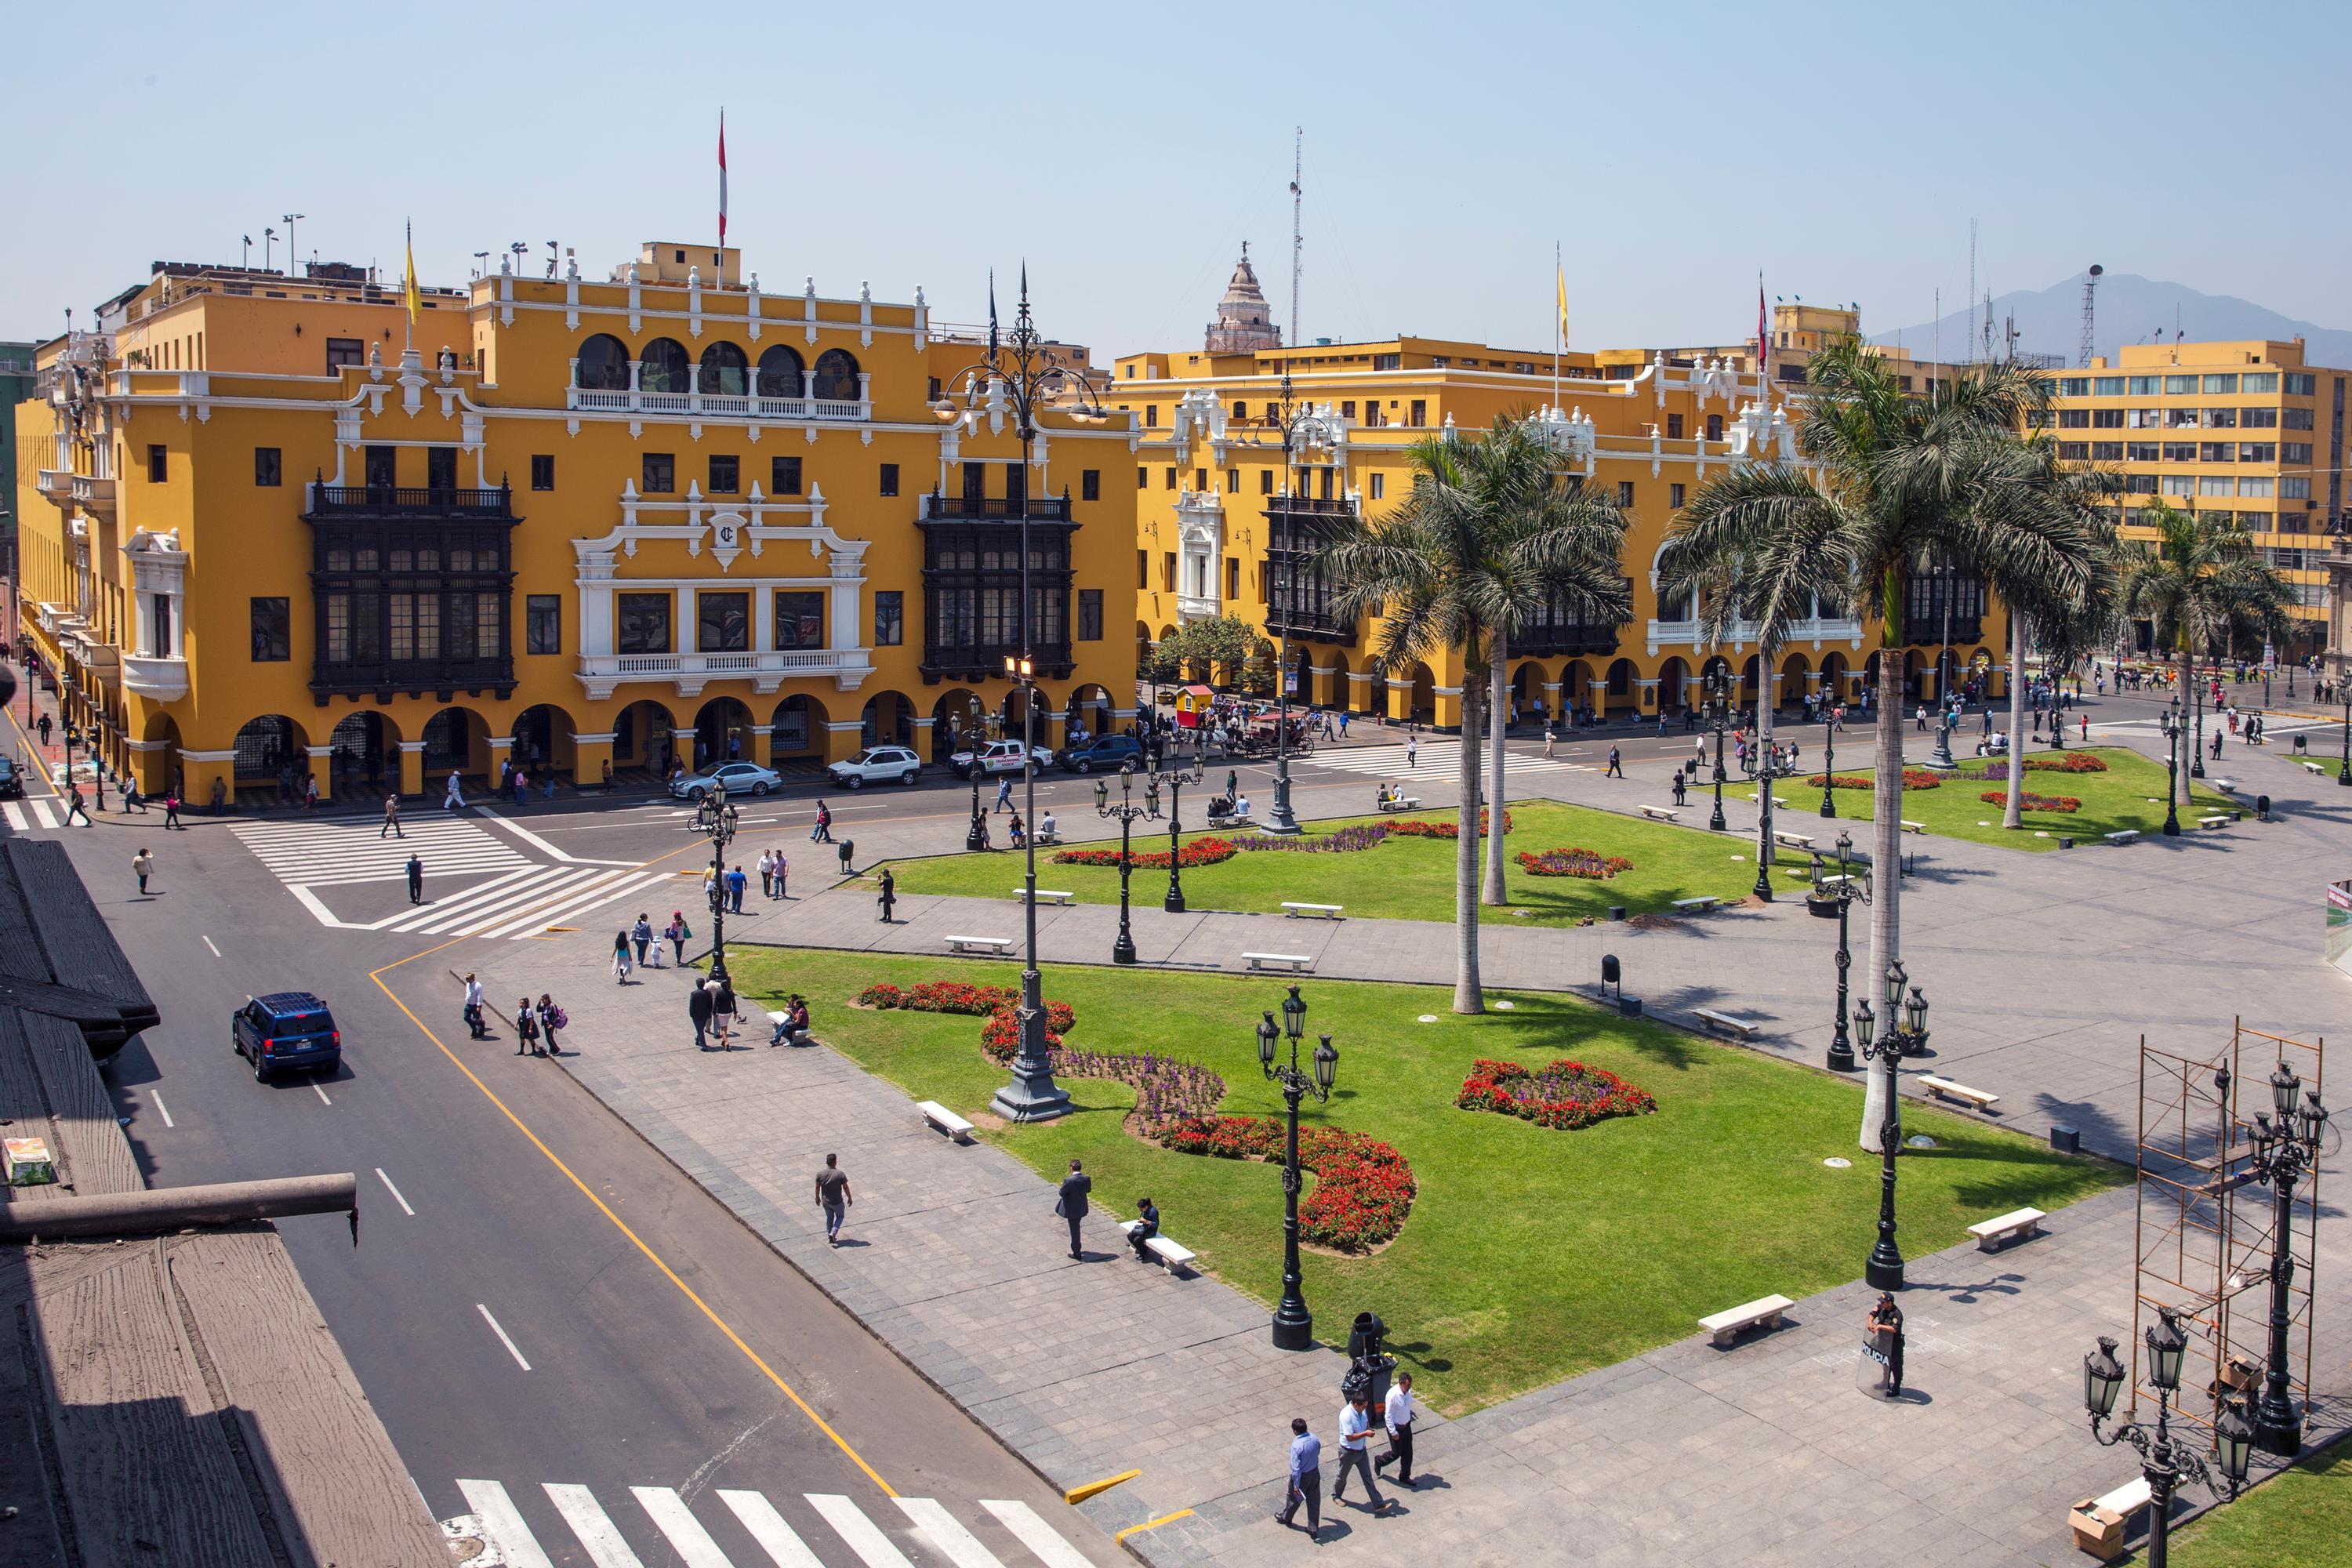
{"points": [[996, 757], [877, 763]]}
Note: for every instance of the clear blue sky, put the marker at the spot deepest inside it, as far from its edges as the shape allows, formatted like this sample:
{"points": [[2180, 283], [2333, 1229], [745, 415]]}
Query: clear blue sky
{"points": [[1126, 151]]}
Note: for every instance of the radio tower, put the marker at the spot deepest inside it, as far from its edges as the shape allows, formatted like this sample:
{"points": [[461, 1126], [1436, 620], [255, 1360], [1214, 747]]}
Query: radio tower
{"points": [[2090, 287]]}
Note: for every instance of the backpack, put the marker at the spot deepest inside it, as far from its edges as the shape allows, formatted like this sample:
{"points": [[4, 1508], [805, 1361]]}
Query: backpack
{"points": [[563, 1019]]}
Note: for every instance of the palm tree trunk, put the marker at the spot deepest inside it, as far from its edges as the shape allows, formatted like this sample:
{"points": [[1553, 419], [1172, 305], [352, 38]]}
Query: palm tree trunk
{"points": [[1468, 995], [1886, 883], [1499, 706], [2012, 815]]}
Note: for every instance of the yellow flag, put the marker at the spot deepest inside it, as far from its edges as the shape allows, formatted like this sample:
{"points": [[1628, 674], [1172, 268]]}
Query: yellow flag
{"points": [[1560, 278], [409, 287]]}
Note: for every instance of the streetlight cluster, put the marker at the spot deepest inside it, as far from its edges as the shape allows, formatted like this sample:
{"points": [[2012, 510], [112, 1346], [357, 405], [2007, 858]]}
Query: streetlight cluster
{"points": [[1127, 813], [1715, 707], [715, 818], [2165, 1460], [2285, 1146], [1884, 1271], [1828, 899], [1294, 1325]]}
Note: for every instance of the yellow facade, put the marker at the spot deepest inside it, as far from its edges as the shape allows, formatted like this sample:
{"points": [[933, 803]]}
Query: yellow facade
{"points": [[1648, 427], [2243, 428], [575, 522]]}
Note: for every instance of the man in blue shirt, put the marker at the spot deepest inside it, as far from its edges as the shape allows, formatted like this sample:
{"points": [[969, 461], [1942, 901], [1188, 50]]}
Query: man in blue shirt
{"points": [[1355, 1424], [736, 882], [1306, 1483]]}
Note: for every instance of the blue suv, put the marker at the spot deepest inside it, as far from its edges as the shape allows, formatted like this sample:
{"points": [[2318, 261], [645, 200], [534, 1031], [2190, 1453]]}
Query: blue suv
{"points": [[286, 1029]]}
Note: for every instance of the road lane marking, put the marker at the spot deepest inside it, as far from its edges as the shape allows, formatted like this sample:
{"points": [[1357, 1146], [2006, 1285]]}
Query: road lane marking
{"points": [[536, 842], [42, 814], [872, 1548], [592, 1525], [165, 1108], [503, 1339], [387, 1187], [768, 1529], [1035, 1534], [15, 815], [687, 1537], [950, 1538], [502, 1522], [652, 1257], [208, 942], [320, 1090]]}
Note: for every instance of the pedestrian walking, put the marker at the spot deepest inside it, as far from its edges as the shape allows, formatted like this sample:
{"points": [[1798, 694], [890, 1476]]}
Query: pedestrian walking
{"points": [[142, 865], [736, 882], [888, 894], [172, 822], [1003, 796], [477, 1025], [1306, 1481], [1412, 750], [1355, 1425], [1679, 786], [1072, 1204], [453, 796], [621, 957], [310, 792], [131, 799], [783, 867], [823, 832], [552, 1018], [1922, 717], [416, 869], [642, 933], [679, 934], [1616, 766], [2087, 728], [45, 729], [1550, 741], [526, 1029], [391, 818], [767, 875], [74, 804], [698, 1008], [833, 1197], [722, 1011], [1398, 1419]]}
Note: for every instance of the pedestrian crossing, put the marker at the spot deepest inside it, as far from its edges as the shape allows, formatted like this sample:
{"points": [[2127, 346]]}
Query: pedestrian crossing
{"points": [[1437, 757], [661, 1525], [25, 815], [335, 853]]}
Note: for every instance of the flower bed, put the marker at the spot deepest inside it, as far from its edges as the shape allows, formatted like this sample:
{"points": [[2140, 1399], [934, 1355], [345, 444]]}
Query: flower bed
{"points": [[2072, 763], [2029, 800], [1200, 852], [1589, 863], [1567, 1094], [1346, 841], [1416, 829], [1913, 778], [1364, 1188]]}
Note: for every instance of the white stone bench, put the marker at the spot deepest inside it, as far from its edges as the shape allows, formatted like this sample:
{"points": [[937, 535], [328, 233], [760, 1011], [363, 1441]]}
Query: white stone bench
{"points": [[1047, 895], [1408, 802], [1918, 828], [1170, 1255], [2316, 768], [1697, 906], [1661, 812], [2127, 836], [1792, 840], [1725, 1024], [1945, 1089], [2019, 1225], [2219, 819], [993, 945], [946, 1120], [1298, 963], [1054, 838], [1292, 910], [1726, 1327]]}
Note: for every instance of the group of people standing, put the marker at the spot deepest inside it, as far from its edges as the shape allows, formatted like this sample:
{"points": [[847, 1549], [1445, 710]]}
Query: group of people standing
{"points": [[535, 1023]]}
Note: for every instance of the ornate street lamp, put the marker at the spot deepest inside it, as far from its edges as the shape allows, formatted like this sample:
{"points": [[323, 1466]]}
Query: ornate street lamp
{"points": [[1294, 1325], [1826, 901], [1716, 703], [2165, 1460], [973, 836], [1829, 758], [1127, 813], [1178, 777], [1765, 765], [2171, 726], [714, 818], [1884, 1271], [2286, 1144]]}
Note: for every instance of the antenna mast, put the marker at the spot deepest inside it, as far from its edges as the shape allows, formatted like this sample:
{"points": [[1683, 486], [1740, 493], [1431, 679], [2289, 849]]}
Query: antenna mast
{"points": [[2090, 287], [1298, 151]]}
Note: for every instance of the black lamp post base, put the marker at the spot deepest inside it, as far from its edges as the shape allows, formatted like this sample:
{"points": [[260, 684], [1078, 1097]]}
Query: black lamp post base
{"points": [[1173, 903], [2284, 1438], [1882, 1273], [1031, 1099], [1123, 950], [1294, 1326], [1841, 1056]]}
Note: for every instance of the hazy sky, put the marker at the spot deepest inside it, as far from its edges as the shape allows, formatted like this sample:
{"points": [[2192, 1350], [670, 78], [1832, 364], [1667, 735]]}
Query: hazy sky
{"points": [[1126, 150]]}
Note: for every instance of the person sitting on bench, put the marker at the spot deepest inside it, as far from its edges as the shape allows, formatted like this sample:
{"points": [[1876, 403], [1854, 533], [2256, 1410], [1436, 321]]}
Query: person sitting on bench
{"points": [[1147, 1226], [793, 1026], [1046, 831], [1019, 834], [1219, 805]]}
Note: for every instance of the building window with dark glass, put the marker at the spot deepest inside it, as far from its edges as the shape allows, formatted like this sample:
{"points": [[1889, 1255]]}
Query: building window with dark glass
{"points": [[799, 619], [1090, 484], [660, 477], [1714, 426], [722, 623], [158, 464], [272, 631], [269, 471], [1624, 493], [1090, 615], [342, 351], [1143, 479], [441, 469], [726, 475], [383, 471], [641, 622], [544, 624], [890, 479], [889, 618], [542, 470], [784, 476]]}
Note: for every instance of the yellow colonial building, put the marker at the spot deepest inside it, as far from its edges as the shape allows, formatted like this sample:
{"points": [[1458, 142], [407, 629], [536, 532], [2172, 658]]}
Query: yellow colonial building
{"points": [[568, 522], [1218, 518], [2249, 429]]}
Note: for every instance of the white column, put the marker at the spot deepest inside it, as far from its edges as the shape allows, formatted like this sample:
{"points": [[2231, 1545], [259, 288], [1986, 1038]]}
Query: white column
{"points": [[842, 601], [763, 618], [683, 615]]}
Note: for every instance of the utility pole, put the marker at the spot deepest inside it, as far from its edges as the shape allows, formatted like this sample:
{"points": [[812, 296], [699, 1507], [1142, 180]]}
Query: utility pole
{"points": [[2090, 287]]}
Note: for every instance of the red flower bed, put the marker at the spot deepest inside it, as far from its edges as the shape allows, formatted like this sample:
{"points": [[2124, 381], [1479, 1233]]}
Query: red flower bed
{"points": [[2029, 800], [1364, 1188], [997, 1003], [1417, 828], [1913, 778], [1589, 863], [1567, 1094], [1200, 852], [2072, 763]]}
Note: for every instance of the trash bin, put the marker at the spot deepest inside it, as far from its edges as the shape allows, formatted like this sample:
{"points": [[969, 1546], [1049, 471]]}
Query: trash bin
{"points": [[2302, 743], [1367, 1368], [2263, 806], [847, 848]]}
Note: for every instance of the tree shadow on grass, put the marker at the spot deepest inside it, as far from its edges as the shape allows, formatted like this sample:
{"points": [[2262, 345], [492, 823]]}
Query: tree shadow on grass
{"points": [[1546, 1025]]}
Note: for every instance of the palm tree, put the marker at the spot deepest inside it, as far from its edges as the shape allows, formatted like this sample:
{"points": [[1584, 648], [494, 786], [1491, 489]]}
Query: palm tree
{"points": [[1889, 482], [1488, 531], [2196, 582]]}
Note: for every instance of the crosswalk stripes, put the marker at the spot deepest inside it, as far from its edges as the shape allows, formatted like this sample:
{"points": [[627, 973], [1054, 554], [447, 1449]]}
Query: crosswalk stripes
{"points": [[1437, 758], [688, 1540], [337, 854], [14, 813], [523, 902]]}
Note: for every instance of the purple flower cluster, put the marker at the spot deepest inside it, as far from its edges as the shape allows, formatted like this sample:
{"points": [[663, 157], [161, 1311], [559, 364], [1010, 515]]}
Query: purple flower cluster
{"points": [[1363, 836], [1165, 1091]]}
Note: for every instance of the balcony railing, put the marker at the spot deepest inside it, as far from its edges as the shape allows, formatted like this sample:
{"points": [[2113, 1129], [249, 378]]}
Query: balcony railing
{"points": [[411, 501], [716, 404], [983, 661], [1742, 633], [1539, 642], [939, 508], [157, 679], [613, 667], [1311, 625], [353, 678]]}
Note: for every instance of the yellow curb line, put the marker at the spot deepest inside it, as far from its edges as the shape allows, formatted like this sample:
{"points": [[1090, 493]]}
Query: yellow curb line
{"points": [[1080, 1494], [1153, 1523]]}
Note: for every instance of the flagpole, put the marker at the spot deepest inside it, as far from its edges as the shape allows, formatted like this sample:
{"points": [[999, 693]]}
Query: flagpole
{"points": [[408, 331], [1559, 320]]}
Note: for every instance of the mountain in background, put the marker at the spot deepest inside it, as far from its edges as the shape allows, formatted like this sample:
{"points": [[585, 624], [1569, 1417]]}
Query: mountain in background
{"points": [[2131, 310]]}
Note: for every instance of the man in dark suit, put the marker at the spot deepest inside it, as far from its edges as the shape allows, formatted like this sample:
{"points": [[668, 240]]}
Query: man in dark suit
{"points": [[1072, 1204], [699, 1004]]}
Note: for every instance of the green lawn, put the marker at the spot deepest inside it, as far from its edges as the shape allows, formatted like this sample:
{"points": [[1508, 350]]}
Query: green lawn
{"points": [[1531, 1254], [2130, 794], [2301, 1519], [1401, 879]]}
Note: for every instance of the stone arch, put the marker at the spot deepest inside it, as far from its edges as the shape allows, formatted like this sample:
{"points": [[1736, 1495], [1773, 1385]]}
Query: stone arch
{"points": [[603, 365], [365, 745], [1793, 670], [834, 380], [781, 375], [1836, 678], [1528, 690], [544, 739], [724, 371], [1338, 690], [722, 732], [1576, 685], [1621, 693], [1915, 668], [268, 745], [1421, 693], [157, 755], [455, 739], [798, 728], [1090, 705], [1015, 708], [1676, 692], [643, 737], [958, 719], [663, 366], [887, 719]]}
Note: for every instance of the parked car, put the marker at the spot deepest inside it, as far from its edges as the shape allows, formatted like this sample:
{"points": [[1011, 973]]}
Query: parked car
{"points": [[740, 778], [1110, 752], [12, 783], [286, 1029], [876, 763], [996, 757]]}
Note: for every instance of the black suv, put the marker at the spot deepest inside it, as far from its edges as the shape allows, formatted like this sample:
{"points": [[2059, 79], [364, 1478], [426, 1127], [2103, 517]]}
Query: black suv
{"points": [[286, 1029], [1112, 751], [12, 783]]}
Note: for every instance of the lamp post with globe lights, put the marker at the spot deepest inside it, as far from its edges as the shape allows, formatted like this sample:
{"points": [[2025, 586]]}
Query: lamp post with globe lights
{"points": [[714, 818], [1178, 777], [2165, 1460], [1127, 813], [1716, 704], [2285, 1147], [1884, 1271], [1294, 1325], [1827, 901]]}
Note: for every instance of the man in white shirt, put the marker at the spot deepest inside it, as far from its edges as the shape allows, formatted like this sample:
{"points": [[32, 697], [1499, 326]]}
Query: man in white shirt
{"points": [[1240, 805], [1355, 1423], [454, 797], [474, 1020], [1399, 1421]]}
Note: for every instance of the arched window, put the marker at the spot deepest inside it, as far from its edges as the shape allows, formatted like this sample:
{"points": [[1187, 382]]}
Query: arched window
{"points": [[724, 370], [837, 377], [605, 364], [664, 367], [780, 373]]}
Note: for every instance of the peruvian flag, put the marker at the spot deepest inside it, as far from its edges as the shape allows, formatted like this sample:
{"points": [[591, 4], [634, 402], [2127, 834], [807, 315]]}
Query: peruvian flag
{"points": [[722, 179]]}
